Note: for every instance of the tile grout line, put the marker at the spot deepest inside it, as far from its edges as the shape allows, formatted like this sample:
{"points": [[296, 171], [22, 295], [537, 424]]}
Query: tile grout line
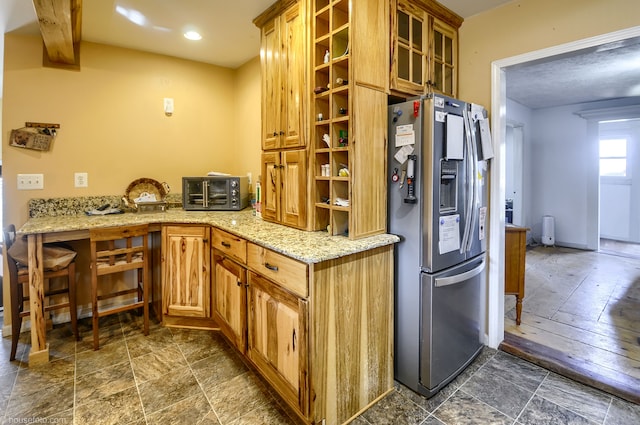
{"points": [[532, 396], [609, 396], [135, 379], [196, 378]]}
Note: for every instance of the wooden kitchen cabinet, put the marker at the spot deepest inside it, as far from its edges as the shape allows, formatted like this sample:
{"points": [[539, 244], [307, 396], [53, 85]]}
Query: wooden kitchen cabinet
{"points": [[282, 58], [230, 299], [284, 179], [284, 187], [186, 274], [277, 328], [320, 333], [424, 48], [229, 254]]}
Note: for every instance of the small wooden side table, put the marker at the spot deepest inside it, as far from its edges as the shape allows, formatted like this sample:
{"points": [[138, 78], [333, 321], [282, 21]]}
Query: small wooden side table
{"points": [[514, 264]]}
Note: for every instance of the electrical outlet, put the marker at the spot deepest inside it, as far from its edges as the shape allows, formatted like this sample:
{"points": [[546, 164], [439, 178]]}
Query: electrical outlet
{"points": [[81, 179], [30, 181], [249, 178]]}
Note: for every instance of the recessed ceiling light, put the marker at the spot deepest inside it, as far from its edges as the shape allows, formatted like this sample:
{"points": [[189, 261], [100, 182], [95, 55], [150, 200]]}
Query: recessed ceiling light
{"points": [[192, 35]]}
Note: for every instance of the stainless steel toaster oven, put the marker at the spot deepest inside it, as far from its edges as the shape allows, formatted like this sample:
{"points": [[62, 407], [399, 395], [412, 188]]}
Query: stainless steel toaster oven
{"points": [[215, 193]]}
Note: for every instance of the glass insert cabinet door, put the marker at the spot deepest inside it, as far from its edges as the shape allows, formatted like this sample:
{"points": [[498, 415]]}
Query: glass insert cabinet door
{"points": [[411, 48], [444, 55], [424, 52]]}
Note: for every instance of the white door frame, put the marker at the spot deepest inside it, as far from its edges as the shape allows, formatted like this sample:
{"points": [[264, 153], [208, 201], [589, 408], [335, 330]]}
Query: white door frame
{"points": [[495, 287]]}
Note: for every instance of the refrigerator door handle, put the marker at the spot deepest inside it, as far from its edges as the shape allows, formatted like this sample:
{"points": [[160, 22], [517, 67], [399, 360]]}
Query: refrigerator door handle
{"points": [[469, 180], [476, 184], [452, 280]]}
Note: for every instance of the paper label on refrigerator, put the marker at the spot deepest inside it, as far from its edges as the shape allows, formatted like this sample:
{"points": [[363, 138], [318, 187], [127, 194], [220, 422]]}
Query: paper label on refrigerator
{"points": [[449, 233], [441, 116], [482, 219], [405, 135], [438, 102], [455, 137], [403, 153]]}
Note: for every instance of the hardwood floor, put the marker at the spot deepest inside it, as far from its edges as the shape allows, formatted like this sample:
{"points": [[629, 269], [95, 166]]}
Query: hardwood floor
{"points": [[581, 316]]}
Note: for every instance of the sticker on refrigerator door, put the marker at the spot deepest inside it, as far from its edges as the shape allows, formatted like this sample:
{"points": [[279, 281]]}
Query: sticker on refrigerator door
{"points": [[485, 139], [403, 153], [405, 135], [449, 233], [438, 102], [482, 219], [441, 116]]}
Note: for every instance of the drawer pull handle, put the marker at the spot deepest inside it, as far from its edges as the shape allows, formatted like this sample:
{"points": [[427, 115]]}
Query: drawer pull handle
{"points": [[270, 267], [226, 244]]}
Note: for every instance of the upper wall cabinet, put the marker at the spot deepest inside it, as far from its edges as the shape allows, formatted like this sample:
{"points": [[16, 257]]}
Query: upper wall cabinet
{"points": [[424, 48], [282, 55]]}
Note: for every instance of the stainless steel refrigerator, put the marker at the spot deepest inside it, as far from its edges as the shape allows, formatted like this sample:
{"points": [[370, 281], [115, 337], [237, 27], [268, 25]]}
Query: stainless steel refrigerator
{"points": [[438, 159]]}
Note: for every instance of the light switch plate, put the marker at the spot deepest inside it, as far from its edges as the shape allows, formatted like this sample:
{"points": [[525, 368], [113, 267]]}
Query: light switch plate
{"points": [[30, 181], [168, 106]]}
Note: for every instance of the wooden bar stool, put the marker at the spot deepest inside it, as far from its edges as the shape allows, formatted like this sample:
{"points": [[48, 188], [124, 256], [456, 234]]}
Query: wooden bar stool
{"points": [[58, 262], [116, 250]]}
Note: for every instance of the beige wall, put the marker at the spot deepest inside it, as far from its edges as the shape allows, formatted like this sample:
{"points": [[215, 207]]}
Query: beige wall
{"points": [[525, 26], [113, 125], [247, 144]]}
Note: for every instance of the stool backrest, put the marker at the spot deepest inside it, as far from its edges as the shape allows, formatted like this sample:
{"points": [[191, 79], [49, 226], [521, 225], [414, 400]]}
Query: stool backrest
{"points": [[109, 256]]}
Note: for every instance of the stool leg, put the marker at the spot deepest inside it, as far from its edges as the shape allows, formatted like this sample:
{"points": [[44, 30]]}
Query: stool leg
{"points": [[145, 308], [16, 320], [94, 308], [16, 325], [73, 303]]}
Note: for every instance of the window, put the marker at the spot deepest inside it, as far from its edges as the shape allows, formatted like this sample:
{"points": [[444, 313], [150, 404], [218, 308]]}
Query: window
{"points": [[613, 157]]}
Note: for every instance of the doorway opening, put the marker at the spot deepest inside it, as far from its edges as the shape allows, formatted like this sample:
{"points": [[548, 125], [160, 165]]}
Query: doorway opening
{"points": [[590, 222], [619, 161]]}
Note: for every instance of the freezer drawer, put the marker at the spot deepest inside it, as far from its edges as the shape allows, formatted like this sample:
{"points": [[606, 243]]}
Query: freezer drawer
{"points": [[451, 328]]}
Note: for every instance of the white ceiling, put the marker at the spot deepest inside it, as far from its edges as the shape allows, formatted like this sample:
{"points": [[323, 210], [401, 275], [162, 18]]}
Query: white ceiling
{"points": [[230, 39]]}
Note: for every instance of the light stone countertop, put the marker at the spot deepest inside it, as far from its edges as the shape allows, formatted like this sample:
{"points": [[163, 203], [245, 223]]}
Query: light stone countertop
{"points": [[308, 247]]}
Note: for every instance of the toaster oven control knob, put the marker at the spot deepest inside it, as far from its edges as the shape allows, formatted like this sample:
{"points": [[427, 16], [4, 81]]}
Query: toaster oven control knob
{"points": [[234, 193], [234, 201], [234, 183]]}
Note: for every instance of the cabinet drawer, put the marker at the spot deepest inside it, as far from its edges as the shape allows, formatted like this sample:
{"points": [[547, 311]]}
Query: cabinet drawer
{"points": [[287, 272], [232, 246]]}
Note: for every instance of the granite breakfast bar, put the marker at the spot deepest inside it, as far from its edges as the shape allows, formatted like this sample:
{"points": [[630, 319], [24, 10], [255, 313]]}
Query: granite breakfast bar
{"points": [[346, 305]]}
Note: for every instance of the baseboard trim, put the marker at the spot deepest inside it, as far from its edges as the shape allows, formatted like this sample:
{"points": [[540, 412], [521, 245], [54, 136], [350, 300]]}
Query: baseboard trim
{"points": [[585, 372]]}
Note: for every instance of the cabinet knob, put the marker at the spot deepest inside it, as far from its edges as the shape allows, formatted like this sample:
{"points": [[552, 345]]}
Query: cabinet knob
{"points": [[275, 134], [281, 133], [239, 283], [226, 244]]}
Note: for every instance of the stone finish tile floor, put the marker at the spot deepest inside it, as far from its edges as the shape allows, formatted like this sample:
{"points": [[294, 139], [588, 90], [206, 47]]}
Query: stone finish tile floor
{"points": [[178, 376]]}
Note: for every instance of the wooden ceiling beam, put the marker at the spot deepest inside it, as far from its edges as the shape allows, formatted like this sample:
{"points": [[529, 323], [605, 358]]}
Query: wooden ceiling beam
{"points": [[60, 26]]}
